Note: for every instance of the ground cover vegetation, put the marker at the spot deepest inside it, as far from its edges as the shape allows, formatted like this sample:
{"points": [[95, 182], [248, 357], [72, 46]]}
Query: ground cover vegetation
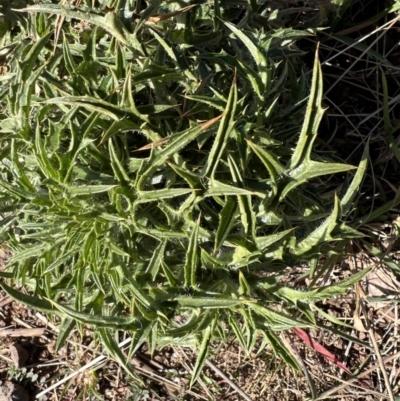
{"points": [[162, 168]]}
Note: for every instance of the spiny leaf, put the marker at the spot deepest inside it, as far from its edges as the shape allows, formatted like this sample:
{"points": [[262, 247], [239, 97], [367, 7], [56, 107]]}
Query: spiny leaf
{"points": [[94, 104], [33, 302], [312, 119], [321, 293], [29, 62], [320, 234], [275, 169], [263, 243], [116, 164], [66, 326], [226, 221], [156, 260], [192, 258], [97, 320], [348, 198], [116, 353], [255, 51], [179, 142], [158, 194], [280, 349], [108, 22], [274, 320], [210, 302], [201, 357], [245, 205], [308, 171], [223, 132]]}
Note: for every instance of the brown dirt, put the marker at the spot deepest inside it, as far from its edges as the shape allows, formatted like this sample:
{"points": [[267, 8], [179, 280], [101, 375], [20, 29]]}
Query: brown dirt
{"points": [[261, 376]]}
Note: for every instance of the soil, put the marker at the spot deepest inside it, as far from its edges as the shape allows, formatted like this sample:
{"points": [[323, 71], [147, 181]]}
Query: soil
{"points": [[28, 358]]}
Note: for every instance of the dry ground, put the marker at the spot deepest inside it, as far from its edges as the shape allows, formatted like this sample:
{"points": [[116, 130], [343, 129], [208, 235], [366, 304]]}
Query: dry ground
{"points": [[260, 376]]}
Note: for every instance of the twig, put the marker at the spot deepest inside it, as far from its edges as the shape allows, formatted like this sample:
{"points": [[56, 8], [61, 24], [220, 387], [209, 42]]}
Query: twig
{"points": [[228, 380], [378, 355], [303, 366], [360, 376], [179, 350], [360, 302], [5, 301], [369, 391], [81, 370], [101, 358], [355, 43], [362, 54], [33, 332]]}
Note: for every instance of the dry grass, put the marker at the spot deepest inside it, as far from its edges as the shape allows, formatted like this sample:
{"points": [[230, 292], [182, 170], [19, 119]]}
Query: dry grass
{"points": [[81, 371]]}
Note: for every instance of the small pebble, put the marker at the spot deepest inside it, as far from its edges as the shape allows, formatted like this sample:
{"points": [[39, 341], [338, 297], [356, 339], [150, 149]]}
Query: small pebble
{"points": [[10, 391], [19, 355]]}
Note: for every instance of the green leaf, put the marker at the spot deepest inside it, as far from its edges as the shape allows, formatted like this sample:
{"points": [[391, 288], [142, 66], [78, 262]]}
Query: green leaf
{"points": [[156, 260], [312, 119], [218, 188], [192, 258], [244, 287], [247, 214], [33, 302], [98, 320], [192, 179], [225, 127], [168, 274], [275, 169], [238, 331], [263, 243], [118, 126], [318, 294], [16, 192], [281, 350], [157, 73], [68, 59], [309, 170], [320, 234], [93, 104], [42, 158], [274, 320], [226, 222], [202, 355], [209, 101], [343, 334], [29, 62], [66, 326], [116, 164], [353, 190], [116, 353], [109, 22], [61, 260], [174, 146], [87, 190], [159, 194], [194, 324], [255, 51], [332, 318], [28, 253], [210, 302]]}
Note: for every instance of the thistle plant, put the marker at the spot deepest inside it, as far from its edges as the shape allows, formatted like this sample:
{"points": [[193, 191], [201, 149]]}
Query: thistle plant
{"points": [[158, 174]]}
